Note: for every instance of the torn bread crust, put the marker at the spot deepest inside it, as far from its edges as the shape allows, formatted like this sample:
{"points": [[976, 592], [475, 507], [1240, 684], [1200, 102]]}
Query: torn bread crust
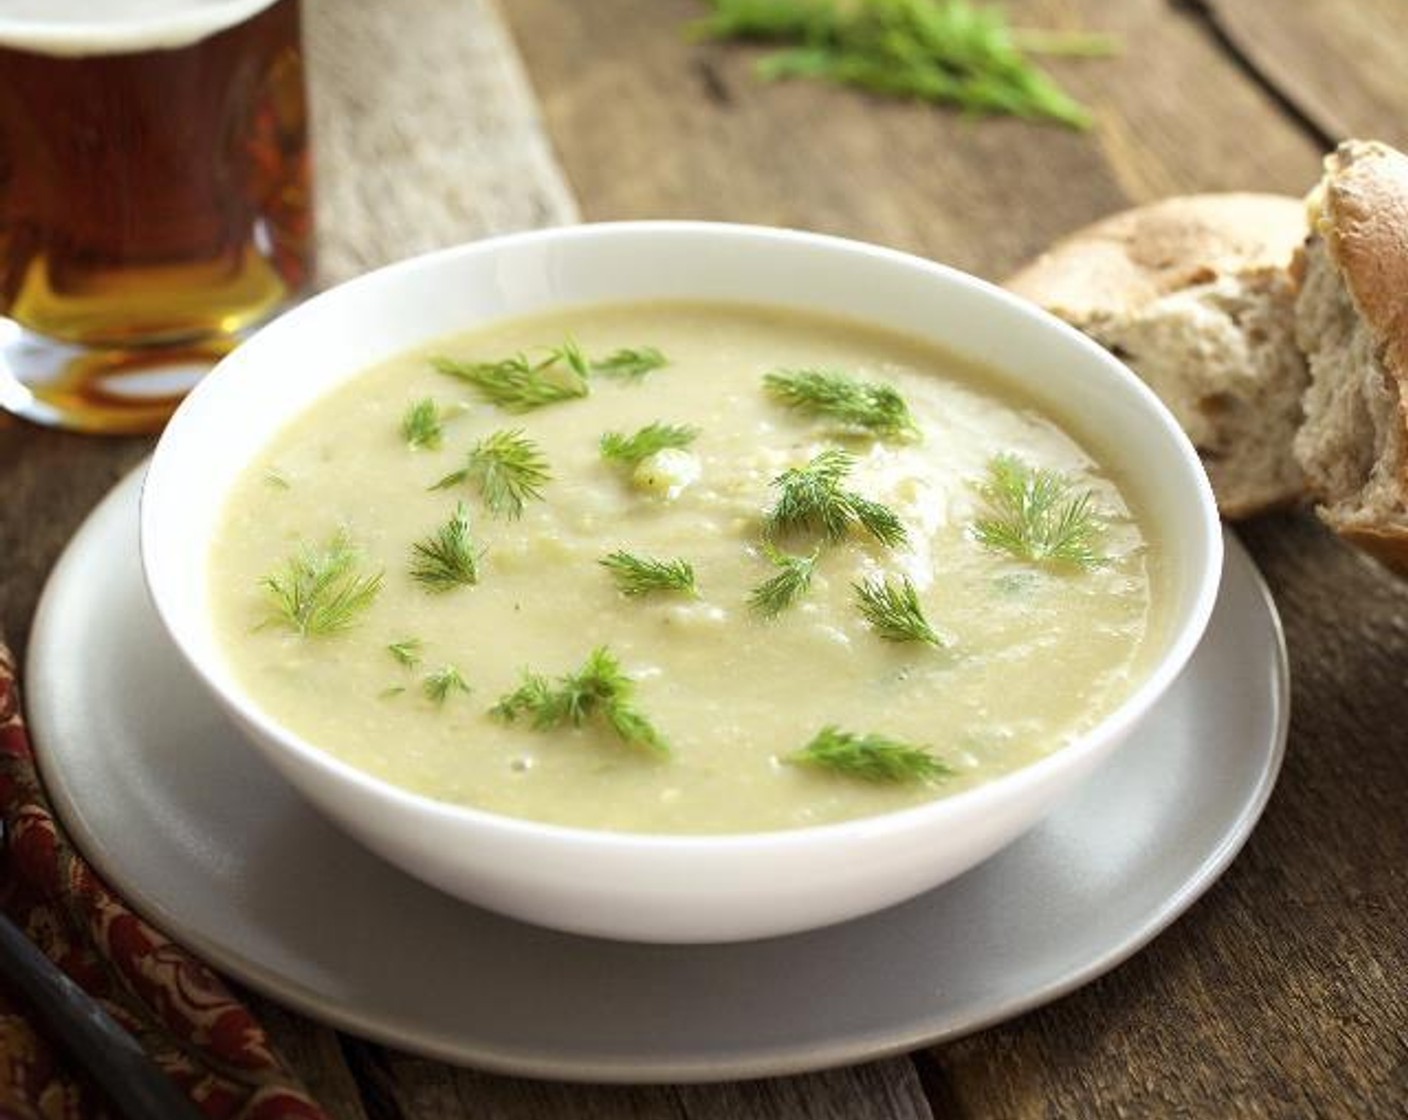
{"points": [[1352, 322], [1195, 295], [1222, 357]]}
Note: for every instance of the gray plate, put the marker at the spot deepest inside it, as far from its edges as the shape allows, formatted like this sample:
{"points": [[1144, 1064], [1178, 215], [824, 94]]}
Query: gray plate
{"points": [[164, 798]]}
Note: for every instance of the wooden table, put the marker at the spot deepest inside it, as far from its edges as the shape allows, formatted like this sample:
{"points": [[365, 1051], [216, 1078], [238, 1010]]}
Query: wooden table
{"points": [[1283, 991]]}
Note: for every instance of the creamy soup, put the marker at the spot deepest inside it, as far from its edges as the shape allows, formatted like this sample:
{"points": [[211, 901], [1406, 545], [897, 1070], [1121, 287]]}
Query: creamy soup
{"points": [[513, 606]]}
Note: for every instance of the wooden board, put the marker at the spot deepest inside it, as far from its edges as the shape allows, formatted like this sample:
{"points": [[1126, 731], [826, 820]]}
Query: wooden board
{"points": [[1341, 65], [888, 1090], [692, 132], [1281, 993]]}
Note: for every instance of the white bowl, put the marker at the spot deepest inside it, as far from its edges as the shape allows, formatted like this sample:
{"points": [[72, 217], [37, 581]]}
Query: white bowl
{"points": [[649, 887]]}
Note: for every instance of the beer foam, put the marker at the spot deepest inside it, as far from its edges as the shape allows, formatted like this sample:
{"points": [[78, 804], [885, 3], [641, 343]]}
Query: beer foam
{"points": [[70, 27]]}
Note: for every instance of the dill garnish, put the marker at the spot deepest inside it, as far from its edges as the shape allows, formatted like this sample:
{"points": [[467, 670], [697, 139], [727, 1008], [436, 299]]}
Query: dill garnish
{"points": [[1033, 514], [570, 353], [600, 690], [894, 612], [874, 758], [320, 591], [438, 685], [447, 558], [880, 521], [421, 427], [646, 442], [855, 404], [640, 575], [812, 498], [943, 51], [773, 596], [521, 384], [630, 364], [508, 470], [406, 651]]}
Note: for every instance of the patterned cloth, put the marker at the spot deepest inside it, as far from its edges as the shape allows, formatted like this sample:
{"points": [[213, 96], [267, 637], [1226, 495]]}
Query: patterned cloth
{"points": [[175, 1006]]}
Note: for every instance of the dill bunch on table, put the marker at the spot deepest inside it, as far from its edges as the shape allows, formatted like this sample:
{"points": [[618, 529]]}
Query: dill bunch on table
{"points": [[944, 51]]}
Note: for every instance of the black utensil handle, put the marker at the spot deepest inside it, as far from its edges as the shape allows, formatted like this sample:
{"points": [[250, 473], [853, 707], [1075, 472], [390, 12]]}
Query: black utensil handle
{"points": [[133, 1082]]}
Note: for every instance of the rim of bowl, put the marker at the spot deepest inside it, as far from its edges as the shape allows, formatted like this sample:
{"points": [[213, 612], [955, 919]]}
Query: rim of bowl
{"points": [[1186, 632]]}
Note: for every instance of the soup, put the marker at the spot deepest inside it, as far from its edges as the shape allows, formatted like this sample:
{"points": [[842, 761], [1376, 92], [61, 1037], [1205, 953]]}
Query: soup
{"points": [[683, 568]]}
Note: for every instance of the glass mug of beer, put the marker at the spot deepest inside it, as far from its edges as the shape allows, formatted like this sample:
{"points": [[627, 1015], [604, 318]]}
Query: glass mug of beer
{"points": [[154, 198]]}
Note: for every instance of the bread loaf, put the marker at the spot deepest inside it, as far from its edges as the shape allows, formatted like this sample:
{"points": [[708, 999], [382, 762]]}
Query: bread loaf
{"points": [[1194, 293], [1352, 323]]}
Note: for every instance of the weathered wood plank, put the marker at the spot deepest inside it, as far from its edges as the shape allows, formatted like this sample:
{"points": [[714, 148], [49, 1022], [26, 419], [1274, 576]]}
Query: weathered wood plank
{"points": [[425, 132], [648, 123], [49, 482], [1341, 64], [1174, 114], [314, 1054], [884, 1090]]}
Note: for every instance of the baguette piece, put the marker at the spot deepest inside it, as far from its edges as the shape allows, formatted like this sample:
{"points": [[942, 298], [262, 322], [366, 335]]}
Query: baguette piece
{"points": [[1352, 322], [1194, 294]]}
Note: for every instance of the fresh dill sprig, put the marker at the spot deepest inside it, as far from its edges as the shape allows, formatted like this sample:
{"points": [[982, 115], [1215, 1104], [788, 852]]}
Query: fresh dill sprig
{"points": [[880, 521], [629, 363], [893, 611], [534, 695], [857, 405], [600, 690], [943, 51], [507, 468], [812, 498], [521, 383], [632, 727], [773, 596], [873, 758], [1033, 514], [646, 441], [571, 353], [320, 591], [438, 685], [640, 575], [406, 652], [421, 426], [447, 558]]}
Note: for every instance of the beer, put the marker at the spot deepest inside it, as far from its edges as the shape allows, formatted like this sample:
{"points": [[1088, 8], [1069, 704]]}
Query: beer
{"points": [[154, 196]]}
